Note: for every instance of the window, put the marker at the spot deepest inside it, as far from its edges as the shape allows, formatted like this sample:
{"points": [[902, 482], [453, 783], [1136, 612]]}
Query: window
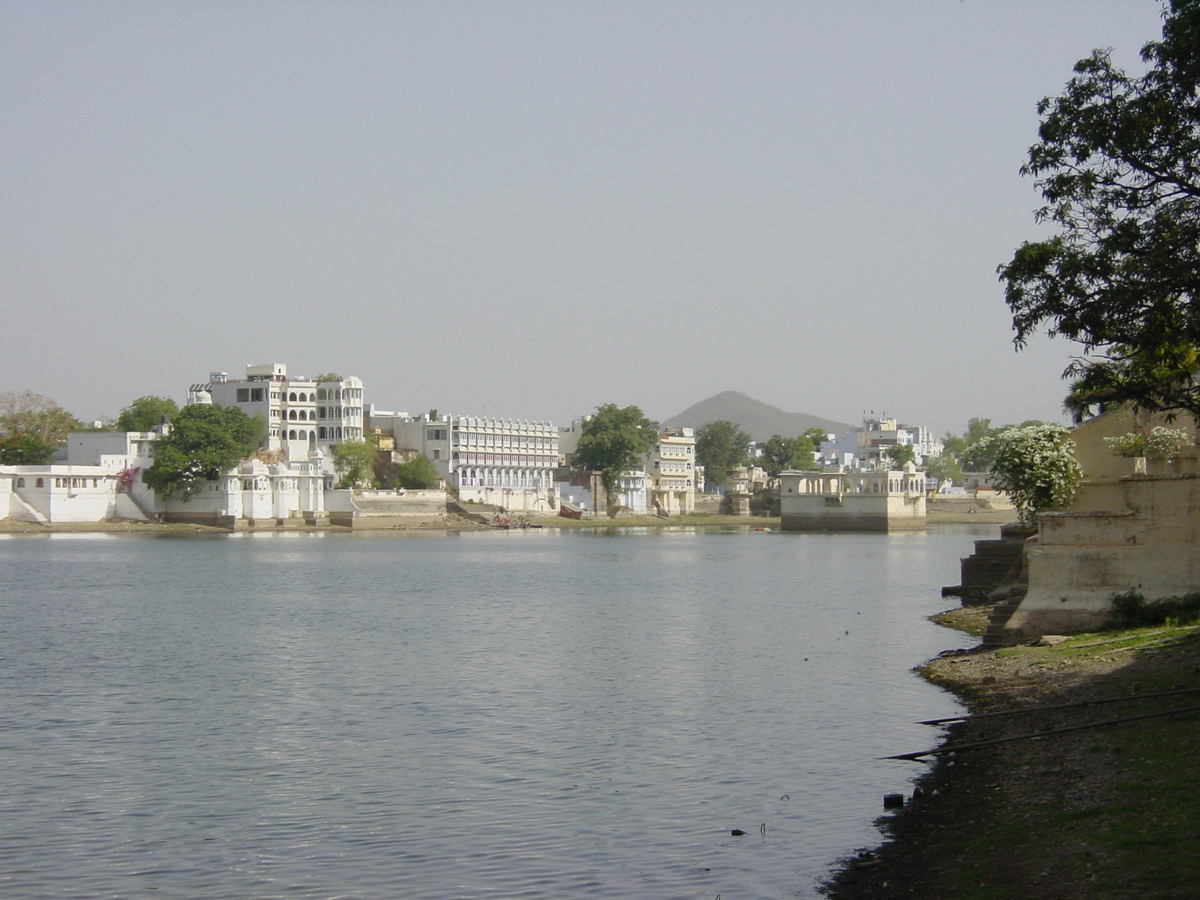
{"points": [[40, 483], [256, 395], [21, 482], [243, 395]]}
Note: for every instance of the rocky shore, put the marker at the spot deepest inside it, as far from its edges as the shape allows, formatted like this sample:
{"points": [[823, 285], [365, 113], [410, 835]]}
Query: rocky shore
{"points": [[1099, 812]]}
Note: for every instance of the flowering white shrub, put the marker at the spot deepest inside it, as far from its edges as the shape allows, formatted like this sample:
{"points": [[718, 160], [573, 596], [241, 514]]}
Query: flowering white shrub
{"points": [[1160, 443], [1035, 467]]}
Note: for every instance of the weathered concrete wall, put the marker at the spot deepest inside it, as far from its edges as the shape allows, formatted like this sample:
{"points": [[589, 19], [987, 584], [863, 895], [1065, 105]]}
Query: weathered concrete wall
{"points": [[852, 512], [383, 509], [1140, 532]]}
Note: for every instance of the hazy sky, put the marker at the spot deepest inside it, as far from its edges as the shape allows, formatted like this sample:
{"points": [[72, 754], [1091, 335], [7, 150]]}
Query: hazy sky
{"points": [[527, 209]]}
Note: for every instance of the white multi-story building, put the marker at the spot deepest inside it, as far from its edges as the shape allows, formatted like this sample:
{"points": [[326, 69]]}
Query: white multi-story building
{"points": [[867, 447], [303, 415], [505, 462], [671, 465]]}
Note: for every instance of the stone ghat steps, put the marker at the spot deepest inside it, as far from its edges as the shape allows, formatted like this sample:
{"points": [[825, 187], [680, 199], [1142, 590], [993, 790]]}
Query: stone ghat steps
{"points": [[994, 636]]}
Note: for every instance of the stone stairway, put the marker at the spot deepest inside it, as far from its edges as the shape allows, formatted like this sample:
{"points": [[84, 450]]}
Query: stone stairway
{"points": [[33, 512], [994, 636]]}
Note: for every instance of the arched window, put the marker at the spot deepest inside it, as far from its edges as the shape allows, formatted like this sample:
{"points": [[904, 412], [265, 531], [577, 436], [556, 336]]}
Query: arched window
{"points": [[301, 434], [292, 396], [21, 482], [304, 398], [40, 483], [321, 433], [312, 439], [291, 435], [292, 415]]}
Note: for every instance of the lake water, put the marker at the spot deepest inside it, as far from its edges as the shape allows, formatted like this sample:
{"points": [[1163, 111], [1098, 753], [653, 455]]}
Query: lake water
{"points": [[534, 714]]}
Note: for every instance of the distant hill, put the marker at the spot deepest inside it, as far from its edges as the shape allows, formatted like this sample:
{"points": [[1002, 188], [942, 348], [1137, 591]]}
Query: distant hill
{"points": [[760, 420]]}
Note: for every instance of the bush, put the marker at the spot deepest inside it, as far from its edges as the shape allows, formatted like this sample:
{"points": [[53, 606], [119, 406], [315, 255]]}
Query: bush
{"points": [[1132, 610], [1160, 443], [1034, 465]]}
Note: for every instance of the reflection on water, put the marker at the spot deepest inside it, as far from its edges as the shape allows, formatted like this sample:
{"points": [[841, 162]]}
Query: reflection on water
{"points": [[534, 714]]}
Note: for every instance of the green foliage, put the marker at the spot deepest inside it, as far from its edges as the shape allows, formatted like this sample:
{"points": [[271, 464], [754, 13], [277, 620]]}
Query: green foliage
{"points": [[953, 445], [1034, 465], [205, 440], [721, 445], [144, 413], [1116, 164], [24, 450], [614, 440], [901, 454], [799, 453], [33, 414], [328, 376], [1133, 610], [416, 474], [943, 468], [354, 461], [1159, 443]]}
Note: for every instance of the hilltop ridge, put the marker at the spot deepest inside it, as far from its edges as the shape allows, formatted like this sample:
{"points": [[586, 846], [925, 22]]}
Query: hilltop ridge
{"points": [[760, 420]]}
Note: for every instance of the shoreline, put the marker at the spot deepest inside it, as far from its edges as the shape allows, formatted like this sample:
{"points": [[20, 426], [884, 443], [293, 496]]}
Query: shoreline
{"points": [[1097, 812], [953, 514]]}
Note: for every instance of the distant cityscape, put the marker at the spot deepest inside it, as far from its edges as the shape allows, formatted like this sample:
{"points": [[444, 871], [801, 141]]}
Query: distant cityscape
{"points": [[513, 466]]}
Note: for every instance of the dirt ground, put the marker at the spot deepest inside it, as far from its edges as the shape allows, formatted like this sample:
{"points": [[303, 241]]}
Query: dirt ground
{"points": [[1105, 812]]}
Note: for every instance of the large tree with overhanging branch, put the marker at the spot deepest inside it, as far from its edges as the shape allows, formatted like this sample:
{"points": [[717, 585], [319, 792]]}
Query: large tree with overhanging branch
{"points": [[1118, 165]]}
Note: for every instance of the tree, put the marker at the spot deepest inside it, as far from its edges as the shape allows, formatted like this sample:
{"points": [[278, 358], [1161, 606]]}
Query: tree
{"points": [[781, 453], [24, 450], [144, 413], [1118, 165], [416, 474], [953, 445], [204, 441], [614, 440], [943, 468], [1034, 465], [354, 461], [721, 445], [900, 454], [328, 376], [33, 414]]}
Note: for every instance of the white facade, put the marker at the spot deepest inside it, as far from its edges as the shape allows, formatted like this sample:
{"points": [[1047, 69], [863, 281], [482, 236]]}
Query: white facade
{"points": [[633, 493], [104, 478], [504, 462], [672, 469], [858, 500], [254, 493], [303, 416], [866, 447]]}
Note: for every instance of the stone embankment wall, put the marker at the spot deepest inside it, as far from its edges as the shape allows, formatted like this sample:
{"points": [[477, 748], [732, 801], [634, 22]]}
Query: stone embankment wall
{"points": [[383, 509], [1132, 533]]}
